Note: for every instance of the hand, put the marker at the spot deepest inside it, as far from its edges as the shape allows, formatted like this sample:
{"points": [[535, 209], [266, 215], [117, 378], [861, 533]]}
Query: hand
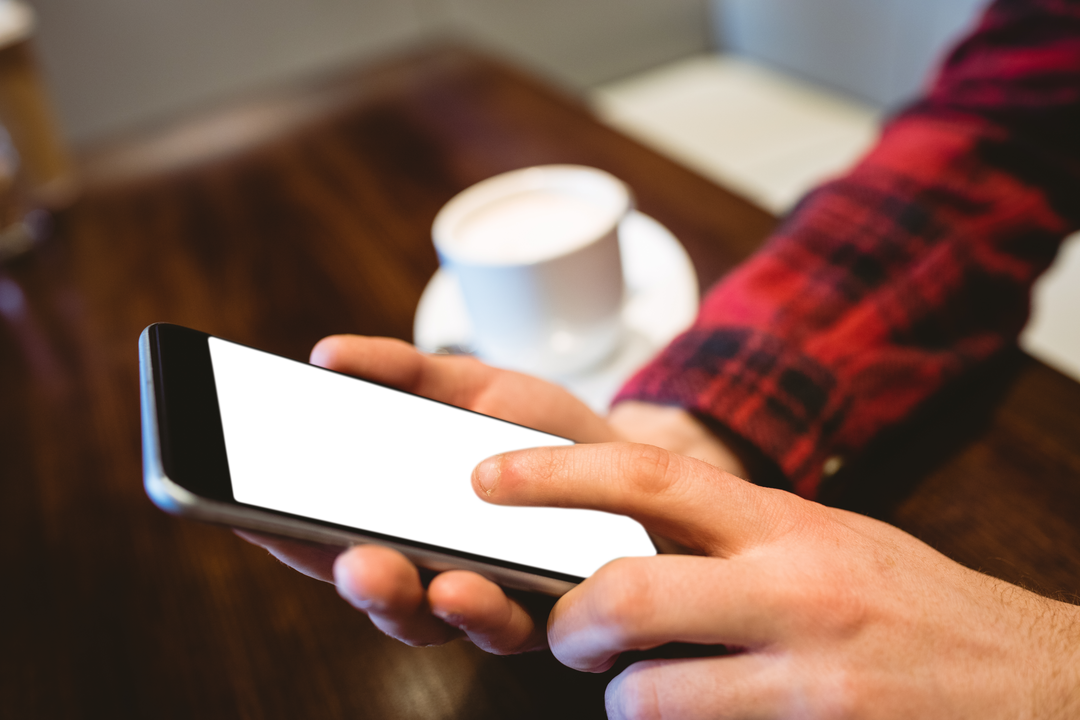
{"points": [[831, 614], [382, 582]]}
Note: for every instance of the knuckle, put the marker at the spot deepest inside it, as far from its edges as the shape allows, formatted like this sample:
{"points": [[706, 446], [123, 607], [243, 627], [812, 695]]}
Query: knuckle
{"points": [[626, 600], [839, 694], [840, 597], [843, 612], [781, 515], [829, 603], [649, 469], [823, 595]]}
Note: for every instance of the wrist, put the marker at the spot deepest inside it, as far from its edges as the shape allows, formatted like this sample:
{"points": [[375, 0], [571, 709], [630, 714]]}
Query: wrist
{"points": [[674, 429]]}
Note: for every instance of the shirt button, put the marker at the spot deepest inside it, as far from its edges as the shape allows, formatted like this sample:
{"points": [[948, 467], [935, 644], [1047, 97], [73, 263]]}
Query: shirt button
{"points": [[832, 466]]}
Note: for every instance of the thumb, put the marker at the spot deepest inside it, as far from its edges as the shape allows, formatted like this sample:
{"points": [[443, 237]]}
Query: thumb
{"points": [[382, 360]]}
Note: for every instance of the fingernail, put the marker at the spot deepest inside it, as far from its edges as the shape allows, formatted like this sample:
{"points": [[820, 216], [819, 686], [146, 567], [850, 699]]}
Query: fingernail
{"points": [[487, 474]]}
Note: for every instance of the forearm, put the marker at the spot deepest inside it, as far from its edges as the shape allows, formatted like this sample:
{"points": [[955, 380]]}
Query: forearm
{"points": [[1041, 666], [1061, 697]]}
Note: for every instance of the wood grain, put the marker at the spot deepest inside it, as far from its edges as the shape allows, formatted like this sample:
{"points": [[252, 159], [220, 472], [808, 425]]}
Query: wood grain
{"points": [[318, 223]]}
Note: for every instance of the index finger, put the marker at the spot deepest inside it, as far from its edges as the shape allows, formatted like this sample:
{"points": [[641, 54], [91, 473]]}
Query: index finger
{"points": [[689, 501]]}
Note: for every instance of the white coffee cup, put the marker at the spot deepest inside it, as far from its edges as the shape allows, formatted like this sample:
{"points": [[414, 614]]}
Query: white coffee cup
{"points": [[536, 253]]}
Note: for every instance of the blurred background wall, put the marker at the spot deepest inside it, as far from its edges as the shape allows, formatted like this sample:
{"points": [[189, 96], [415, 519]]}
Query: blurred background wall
{"points": [[879, 51], [693, 78], [113, 65], [118, 64]]}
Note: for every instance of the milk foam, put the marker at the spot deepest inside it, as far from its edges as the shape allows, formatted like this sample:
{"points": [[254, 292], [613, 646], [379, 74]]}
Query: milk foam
{"points": [[530, 227]]}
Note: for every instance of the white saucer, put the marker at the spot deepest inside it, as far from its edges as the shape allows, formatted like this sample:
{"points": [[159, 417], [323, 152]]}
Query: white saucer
{"points": [[662, 301]]}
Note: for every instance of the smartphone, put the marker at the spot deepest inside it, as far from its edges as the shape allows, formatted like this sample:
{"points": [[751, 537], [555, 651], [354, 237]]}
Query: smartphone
{"points": [[242, 437]]}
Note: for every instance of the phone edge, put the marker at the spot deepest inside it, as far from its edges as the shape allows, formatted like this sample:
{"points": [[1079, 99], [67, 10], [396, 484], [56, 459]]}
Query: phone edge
{"points": [[176, 500]]}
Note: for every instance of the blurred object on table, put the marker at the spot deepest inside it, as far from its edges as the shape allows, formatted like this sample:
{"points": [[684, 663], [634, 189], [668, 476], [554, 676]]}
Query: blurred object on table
{"points": [[16, 234], [45, 169]]}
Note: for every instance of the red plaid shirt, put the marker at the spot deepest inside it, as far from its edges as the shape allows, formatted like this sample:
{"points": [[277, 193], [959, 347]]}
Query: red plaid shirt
{"points": [[889, 282]]}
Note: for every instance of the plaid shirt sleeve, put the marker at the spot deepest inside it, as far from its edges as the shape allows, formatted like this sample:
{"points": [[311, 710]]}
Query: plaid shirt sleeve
{"points": [[887, 283]]}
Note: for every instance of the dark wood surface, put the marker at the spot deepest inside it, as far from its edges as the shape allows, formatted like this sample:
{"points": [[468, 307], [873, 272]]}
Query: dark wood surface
{"points": [[306, 212]]}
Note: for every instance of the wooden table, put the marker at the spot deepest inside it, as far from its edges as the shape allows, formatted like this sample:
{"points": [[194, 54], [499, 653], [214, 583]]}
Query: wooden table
{"points": [[305, 212]]}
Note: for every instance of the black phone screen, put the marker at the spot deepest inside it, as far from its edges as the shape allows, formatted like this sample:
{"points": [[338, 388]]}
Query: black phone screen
{"points": [[317, 444]]}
